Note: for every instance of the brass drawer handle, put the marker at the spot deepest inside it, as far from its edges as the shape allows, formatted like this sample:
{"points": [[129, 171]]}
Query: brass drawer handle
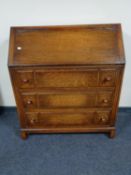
{"points": [[105, 101], [100, 118], [29, 102], [103, 119], [25, 81], [108, 79], [32, 121]]}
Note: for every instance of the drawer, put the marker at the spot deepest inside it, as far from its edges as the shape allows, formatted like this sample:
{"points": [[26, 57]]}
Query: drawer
{"points": [[67, 100], [65, 79], [58, 120]]}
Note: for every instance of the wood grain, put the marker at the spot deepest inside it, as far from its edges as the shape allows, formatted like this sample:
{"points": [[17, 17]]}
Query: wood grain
{"points": [[67, 78], [92, 44]]}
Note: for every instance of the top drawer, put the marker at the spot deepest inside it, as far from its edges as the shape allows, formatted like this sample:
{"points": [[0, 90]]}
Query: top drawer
{"points": [[65, 78]]}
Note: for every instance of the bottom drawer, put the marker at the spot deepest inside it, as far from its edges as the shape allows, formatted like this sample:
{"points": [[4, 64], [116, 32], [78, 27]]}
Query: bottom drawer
{"points": [[60, 120]]}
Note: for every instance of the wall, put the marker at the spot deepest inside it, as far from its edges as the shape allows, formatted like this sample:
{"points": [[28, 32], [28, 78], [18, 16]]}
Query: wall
{"points": [[47, 12]]}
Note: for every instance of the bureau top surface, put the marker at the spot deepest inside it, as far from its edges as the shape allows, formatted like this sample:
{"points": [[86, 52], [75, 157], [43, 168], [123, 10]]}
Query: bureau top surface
{"points": [[66, 45]]}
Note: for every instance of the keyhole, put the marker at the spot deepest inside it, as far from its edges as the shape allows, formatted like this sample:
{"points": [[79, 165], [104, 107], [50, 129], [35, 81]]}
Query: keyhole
{"points": [[19, 48]]}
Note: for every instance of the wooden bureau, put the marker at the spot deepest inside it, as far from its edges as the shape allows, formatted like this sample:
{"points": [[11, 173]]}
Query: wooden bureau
{"points": [[67, 78]]}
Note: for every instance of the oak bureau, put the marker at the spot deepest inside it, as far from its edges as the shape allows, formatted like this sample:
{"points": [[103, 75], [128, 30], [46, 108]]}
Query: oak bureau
{"points": [[67, 78]]}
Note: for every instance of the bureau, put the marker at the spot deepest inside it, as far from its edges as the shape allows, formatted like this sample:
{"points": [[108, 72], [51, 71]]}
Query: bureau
{"points": [[67, 78]]}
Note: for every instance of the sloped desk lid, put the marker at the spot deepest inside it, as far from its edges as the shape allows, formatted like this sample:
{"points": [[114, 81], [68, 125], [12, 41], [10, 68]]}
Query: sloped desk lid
{"points": [[66, 45]]}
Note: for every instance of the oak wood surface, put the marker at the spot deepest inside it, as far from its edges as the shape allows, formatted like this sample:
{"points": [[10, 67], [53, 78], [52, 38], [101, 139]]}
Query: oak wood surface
{"points": [[67, 45], [58, 120], [67, 78], [40, 100]]}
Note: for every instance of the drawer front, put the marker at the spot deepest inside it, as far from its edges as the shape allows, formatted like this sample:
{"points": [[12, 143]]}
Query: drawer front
{"points": [[68, 100], [65, 79], [59, 120]]}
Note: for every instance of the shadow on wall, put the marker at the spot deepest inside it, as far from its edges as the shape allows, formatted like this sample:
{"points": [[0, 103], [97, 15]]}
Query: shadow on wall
{"points": [[5, 87], [1, 103], [127, 44], [126, 94]]}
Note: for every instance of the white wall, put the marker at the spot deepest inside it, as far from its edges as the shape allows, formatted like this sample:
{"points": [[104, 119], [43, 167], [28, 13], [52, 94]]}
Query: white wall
{"points": [[55, 12]]}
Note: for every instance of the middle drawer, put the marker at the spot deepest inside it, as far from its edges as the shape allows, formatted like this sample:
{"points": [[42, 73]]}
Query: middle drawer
{"points": [[67, 99]]}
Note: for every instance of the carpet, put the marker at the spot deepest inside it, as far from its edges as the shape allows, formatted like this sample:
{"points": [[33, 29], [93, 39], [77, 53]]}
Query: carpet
{"points": [[64, 154]]}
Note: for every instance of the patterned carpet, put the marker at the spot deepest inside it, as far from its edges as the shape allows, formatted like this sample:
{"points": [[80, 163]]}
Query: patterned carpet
{"points": [[64, 154]]}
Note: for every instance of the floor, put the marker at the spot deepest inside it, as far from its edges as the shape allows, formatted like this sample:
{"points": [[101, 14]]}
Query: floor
{"points": [[64, 154]]}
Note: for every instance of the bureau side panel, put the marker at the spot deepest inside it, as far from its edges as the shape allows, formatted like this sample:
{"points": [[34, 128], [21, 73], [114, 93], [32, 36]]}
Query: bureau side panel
{"points": [[17, 98], [119, 81]]}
